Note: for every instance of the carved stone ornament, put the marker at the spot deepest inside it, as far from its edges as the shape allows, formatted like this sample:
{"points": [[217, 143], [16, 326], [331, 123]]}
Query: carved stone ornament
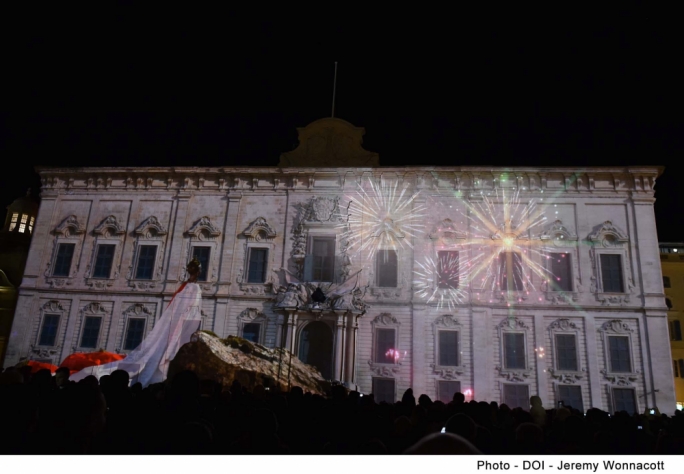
{"points": [[613, 300], [561, 297], [53, 306], [623, 380], [385, 319], [323, 208], [608, 235], [203, 228], [558, 233], [250, 314], [108, 227], [94, 308], [330, 142], [386, 292], [137, 309], [150, 227], [512, 324], [513, 376], [42, 352], [446, 231], [447, 373], [616, 326], [384, 370], [69, 226], [566, 377], [259, 230], [447, 321], [563, 324], [388, 229]]}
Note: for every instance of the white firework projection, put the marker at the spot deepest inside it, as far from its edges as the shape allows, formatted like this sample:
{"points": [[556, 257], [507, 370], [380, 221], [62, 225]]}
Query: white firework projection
{"points": [[499, 256], [383, 217]]}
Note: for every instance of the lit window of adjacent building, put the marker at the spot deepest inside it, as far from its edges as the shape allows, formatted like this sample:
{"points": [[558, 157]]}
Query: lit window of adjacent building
{"points": [[620, 358], [561, 273], [48, 333], [202, 255], [566, 352], [65, 253], [146, 259], [448, 269], [514, 350], [666, 282], [134, 333], [611, 273], [23, 222], [31, 225], [104, 260], [258, 259], [13, 221], [91, 332], [511, 271], [675, 330], [516, 396], [386, 267]]}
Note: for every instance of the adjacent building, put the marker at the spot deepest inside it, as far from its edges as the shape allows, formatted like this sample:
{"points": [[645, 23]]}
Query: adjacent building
{"points": [[501, 283], [672, 262]]}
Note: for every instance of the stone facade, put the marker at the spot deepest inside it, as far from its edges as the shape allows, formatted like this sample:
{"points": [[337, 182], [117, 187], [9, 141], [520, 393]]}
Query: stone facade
{"points": [[274, 235]]}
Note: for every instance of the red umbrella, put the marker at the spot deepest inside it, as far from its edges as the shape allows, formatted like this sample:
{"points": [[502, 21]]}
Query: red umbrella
{"points": [[81, 360], [36, 366]]}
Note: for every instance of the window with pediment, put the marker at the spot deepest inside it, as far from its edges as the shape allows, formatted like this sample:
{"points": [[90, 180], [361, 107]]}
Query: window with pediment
{"points": [[513, 349], [559, 259], [565, 337], [252, 325], [255, 276], [51, 327], [145, 271], [618, 340], [93, 324], [386, 355], [448, 351], [137, 321], [105, 261], [202, 242], [611, 270], [66, 250], [445, 275]]}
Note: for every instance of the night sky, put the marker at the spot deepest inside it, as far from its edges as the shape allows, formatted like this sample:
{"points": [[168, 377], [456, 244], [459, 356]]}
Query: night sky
{"points": [[220, 88]]}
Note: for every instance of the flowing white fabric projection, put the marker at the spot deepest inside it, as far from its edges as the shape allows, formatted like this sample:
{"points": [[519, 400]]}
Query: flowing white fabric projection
{"points": [[149, 362]]}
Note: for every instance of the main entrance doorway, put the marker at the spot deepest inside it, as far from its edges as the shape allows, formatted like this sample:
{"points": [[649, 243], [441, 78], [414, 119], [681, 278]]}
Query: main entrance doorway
{"points": [[316, 347]]}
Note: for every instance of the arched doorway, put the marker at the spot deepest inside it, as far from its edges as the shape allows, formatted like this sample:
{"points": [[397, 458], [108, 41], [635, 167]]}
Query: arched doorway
{"points": [[316, 347]]}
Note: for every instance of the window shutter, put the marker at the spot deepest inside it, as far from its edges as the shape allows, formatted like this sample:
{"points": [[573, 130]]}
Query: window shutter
{"points": [[681, 368], [561, 272], [620, 360], [448, 348], [386, 265], [677, 330], [566, 352], [611, 273], [514, 350]]}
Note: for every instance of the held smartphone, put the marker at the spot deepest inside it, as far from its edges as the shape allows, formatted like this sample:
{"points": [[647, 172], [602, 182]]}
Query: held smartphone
{"points": [[652, 411]]}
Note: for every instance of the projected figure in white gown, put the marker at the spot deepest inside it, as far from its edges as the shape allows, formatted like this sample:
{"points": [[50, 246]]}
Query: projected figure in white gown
{"points": [[149, 362]]}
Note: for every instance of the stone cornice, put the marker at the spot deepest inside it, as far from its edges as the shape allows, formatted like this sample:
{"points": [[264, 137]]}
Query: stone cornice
{"points": [[597, 180]]}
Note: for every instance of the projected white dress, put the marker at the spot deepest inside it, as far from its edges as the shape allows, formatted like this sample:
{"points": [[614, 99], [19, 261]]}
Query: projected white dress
{"points": [[149, 362]]}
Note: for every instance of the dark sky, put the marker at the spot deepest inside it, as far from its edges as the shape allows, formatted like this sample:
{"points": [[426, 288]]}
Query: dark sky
{"points": [[199, 87]]}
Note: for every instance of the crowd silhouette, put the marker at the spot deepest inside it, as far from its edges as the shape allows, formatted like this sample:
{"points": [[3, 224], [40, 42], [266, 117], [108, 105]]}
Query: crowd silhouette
{"points": [[45, 414]]}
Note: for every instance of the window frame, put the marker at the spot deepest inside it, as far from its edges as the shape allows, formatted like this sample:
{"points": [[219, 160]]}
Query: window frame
{"points": [[42, 328], [500, 278], [83, 329], [384, 379], [127, 330], [617, 327], [378, 257], [69, 231], [61, 245], [309, 259], [203, 233], [149, 232], [566, 326], [250, 251], [608, 239], [551, 286], [611, 395], [108, 232], [438, 391], [438, 277], [385, 321], [526, 406], [447, 322], [612, 370], [675, 329], [253, 316], [51, 307], [154, 261], [260, 235], [135, 310], [94, 309], [514, 325], [206, 266], [560, 386], [667, 283]]}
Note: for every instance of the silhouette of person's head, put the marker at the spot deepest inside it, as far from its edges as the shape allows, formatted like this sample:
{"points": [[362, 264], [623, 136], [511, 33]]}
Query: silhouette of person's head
{"points": [[62, 377], [458, 398], [119, 379]]}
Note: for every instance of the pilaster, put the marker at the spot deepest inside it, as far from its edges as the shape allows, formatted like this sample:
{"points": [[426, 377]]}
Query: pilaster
{"points": [[483, 348]]}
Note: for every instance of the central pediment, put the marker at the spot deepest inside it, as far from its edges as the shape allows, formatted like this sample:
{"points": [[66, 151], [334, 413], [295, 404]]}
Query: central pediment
{"points": [[330, 142]]}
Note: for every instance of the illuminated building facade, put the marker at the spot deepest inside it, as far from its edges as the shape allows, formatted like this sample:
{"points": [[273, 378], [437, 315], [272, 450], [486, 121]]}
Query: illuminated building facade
{"points": [[499, 283], [672, 262]]}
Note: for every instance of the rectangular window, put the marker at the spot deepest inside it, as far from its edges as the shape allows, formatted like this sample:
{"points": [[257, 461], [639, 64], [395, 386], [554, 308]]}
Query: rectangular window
{"points": [[571, 396], [620, 360], [251, 332], [448, 348], [675, 330], [13, 222], [624, 400], [134, 333], [258, 258], [516, 396], [323, 259], [511, 272], [383, 390], [31, 225], [146, 260], [48, 332], [446, 389], [566, 351], [384, 346], [514, 350], [22, 224], [386, 266], [561, 273], [675, 368], [91, 332], [611, 273], [202, 254], [65, 253], [681, 367], [103, 261], [447, 270], [666, 282]]}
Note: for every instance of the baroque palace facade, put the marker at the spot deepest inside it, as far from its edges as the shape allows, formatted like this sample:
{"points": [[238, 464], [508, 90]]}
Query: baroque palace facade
{"points": [[499, 283]]}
